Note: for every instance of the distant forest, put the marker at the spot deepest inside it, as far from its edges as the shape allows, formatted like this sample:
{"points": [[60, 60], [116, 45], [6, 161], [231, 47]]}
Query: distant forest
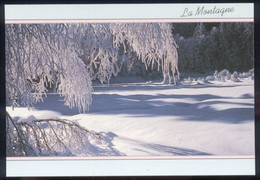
{"points": [[187, 29], [205, 47], [215, 46]]}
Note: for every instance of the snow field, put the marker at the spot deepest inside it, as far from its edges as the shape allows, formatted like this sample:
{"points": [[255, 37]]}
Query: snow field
{"points": [[140, 119]]}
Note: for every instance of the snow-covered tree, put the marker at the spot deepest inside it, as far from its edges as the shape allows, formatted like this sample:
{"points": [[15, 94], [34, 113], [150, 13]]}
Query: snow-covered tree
{"points": [[69, 57], [153, 43], [37, 55], [98, 52]]}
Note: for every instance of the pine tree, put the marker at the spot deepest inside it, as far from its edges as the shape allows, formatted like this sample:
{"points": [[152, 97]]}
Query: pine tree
{"points": [[199, 31]]}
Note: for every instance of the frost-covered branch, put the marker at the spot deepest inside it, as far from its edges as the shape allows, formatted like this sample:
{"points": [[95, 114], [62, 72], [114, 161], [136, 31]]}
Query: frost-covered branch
{"points": [[70, 56], [98, 52], [52, 137], [153, 43], [41, 55]]}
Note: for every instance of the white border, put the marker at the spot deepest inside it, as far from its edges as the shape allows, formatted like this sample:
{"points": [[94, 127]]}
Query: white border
{"points": [[125, 11], [243, 12], [131, 167]]}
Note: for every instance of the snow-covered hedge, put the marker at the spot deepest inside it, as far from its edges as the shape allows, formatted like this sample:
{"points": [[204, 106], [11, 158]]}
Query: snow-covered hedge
{"points": [[222, 76]]}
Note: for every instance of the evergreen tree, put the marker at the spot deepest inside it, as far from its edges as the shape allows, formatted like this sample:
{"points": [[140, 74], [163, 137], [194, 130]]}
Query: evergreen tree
{"points": [[199, 31]]}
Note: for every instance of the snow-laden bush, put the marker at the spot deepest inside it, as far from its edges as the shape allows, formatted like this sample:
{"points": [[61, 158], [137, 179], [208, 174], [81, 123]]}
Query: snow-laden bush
{"points": [[225, 75], [249, 74], [210, 78], [235, 76], [202, 80], [222, 76]]}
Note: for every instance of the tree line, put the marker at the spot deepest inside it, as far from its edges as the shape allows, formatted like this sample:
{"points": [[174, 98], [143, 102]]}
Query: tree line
{"points": [[223, 46]]}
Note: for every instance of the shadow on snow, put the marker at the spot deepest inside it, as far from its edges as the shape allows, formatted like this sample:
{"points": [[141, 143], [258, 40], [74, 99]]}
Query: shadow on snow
{"points": [[145, 105], [155, 149]]}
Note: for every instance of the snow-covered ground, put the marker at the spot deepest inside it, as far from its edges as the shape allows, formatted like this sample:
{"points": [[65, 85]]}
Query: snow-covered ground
{"points": [[196, 117]]}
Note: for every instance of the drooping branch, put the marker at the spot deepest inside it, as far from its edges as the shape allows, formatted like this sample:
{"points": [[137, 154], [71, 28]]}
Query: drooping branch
{"points": [[52, 137], [70, 56], [41, 54], [153, 43]]}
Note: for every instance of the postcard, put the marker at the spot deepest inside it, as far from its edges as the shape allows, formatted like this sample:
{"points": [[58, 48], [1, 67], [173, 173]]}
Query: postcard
{"points": [[129, 89]]}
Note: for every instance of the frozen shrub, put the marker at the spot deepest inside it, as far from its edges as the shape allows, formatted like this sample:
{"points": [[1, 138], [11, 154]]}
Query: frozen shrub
{"points": [[248, 74], [234, 77], [210, 78], [224, 74], [215, 75]]}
